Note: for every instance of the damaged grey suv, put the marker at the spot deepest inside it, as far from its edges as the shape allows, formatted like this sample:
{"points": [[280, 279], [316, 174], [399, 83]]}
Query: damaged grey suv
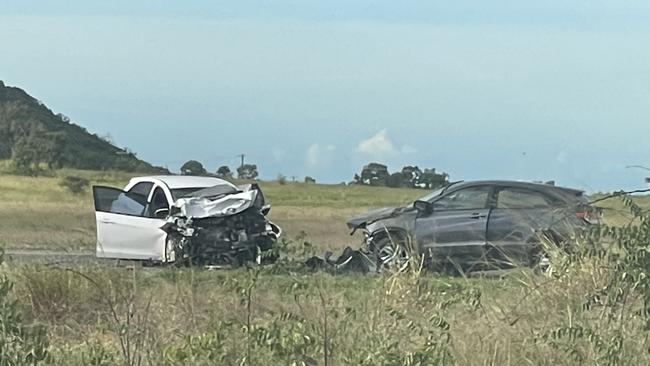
{"points": [[476, 225], [182, 220]]}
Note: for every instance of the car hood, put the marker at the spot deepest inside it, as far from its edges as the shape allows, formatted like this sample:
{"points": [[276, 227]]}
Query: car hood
{"points": [[217, 202], [363, 220]]}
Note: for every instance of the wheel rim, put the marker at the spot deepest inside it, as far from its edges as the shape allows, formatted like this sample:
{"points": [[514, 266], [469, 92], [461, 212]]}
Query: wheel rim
{"points": [[394, 256]]}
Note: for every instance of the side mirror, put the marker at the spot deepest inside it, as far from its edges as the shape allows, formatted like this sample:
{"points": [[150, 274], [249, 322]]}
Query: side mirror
{"points": [[423, 206], [161, 213]]}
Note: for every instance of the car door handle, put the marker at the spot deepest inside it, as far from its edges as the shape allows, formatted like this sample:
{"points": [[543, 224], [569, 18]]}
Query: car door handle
{"points": [[477, 216], [106, 222]]}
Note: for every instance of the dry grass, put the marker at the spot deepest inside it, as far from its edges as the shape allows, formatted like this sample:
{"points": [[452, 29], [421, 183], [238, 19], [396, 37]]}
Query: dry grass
{"points": [[197, 317], [37, 213], [372, 320]]}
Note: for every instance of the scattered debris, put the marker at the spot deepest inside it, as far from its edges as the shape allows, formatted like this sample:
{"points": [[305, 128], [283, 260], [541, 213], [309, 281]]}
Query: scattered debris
{"points": [[350, 260]]}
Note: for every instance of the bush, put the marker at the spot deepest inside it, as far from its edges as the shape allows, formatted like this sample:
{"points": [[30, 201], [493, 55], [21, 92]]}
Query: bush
{"points": [[248, 172], [74, 184], [19, 344], [282, 180], [395, 180], [193, 167], [224, 172]]}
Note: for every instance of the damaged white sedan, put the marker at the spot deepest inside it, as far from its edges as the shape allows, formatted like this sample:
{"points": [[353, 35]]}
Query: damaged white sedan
{"points": [[184, 220]]}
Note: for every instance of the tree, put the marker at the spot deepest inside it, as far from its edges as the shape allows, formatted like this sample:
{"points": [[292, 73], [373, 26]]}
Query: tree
{"points": [[54, 149], [310, 180], [35, 148], [193, 167], [430, 179], [375, 174], [411, 176], [247, 171], [395, 180], [224, 172]]}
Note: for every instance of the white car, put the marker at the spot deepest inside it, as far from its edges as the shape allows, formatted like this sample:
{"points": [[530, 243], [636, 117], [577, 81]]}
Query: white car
{"points": [[183, 219]]}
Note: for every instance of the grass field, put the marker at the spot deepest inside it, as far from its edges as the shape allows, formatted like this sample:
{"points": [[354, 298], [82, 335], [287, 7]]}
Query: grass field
{"points": [[283, 315], [37, 213]]}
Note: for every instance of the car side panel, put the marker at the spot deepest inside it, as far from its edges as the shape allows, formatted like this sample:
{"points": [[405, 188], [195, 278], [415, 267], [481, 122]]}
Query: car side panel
{"points": [[456, 236], [512, 234], [130, 237]]}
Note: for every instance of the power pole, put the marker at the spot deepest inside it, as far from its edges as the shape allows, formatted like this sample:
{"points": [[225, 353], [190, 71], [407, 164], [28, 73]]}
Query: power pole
{"points": [[242, 156]]}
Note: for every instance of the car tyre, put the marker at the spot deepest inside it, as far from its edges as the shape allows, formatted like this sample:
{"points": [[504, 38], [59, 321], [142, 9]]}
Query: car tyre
{"points": [[392, 253]]}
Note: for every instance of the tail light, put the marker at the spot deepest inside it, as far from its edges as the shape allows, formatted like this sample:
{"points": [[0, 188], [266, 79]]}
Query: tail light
{"points": [[590, 215]]}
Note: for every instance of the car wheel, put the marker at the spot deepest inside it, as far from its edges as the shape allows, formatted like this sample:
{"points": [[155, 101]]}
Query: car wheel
{"points": [[392, 254]]}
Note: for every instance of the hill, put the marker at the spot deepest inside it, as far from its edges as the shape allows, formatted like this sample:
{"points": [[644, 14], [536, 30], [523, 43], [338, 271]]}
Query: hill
{"points": [[31, 133]]}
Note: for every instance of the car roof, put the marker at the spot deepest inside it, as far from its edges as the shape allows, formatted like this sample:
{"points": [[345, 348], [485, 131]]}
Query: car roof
{"points": [[182, 181], [519, 184]]}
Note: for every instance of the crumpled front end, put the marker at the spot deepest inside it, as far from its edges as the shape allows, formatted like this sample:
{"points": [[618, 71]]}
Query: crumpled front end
{"points": [[216, 228]]}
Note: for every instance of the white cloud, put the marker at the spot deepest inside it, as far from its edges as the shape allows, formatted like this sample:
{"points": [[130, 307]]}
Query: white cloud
{"points": [[377, 146], [318, 155], [562, 157]]}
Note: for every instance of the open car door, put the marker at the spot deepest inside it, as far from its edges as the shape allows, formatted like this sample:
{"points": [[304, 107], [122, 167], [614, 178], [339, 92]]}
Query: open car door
{"points": [[124, 229]]}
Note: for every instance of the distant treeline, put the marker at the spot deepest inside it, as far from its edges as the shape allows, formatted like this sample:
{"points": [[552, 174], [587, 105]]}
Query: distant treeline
{"points": [[375, 174], [195, 167]]}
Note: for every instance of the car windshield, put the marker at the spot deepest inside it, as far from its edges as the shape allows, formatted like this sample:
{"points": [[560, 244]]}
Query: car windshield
{"points": [[432, 195], [429, 197], [203, 192], [184, 192]]}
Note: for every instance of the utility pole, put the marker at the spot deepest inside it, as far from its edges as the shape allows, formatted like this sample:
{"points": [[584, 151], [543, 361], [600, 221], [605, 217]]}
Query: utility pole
{"points": [[242, 156]]}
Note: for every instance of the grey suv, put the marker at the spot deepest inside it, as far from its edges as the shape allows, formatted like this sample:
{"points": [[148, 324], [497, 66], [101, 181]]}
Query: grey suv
{"points": [[474, 225]]}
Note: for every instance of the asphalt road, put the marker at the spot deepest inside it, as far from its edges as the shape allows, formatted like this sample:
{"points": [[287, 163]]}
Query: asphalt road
{"points": [[53, 257]]}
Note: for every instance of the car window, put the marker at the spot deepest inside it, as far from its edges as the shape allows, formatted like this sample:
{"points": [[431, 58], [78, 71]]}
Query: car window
{"points": [[429, 197], [522, 198], [464, 199], [116, 201], [140, 192], [158, 201]]}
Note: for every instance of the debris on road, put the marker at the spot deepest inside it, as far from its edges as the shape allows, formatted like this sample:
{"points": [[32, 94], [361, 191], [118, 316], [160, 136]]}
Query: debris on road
{"points": [[350, 260]]}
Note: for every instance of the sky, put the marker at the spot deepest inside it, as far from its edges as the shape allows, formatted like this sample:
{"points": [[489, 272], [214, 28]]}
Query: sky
{"points": [[552, 90]]}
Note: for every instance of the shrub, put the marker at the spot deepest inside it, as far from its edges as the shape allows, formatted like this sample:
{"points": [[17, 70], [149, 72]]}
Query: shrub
{"points": [[193, 167], [74, 184], [19, 344], [282, 180]]}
